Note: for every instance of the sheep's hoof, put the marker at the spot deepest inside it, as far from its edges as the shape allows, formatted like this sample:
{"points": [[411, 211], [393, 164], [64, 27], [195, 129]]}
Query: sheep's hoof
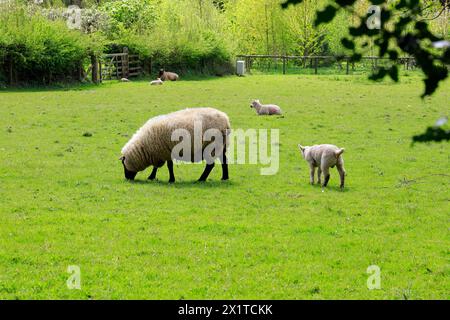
{"points": [[171, 181]]}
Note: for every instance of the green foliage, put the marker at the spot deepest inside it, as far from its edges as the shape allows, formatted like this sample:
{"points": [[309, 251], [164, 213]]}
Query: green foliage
{"points": [[39, 49], [176, 35]]}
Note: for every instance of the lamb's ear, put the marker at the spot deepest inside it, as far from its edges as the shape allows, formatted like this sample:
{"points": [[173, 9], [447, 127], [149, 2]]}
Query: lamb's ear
{"points": [[302, 148], [122, 158]]}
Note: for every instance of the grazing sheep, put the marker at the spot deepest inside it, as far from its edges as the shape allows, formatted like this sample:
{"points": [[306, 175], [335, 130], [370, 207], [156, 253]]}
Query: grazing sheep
{"points": [[265, 109], [156, 82], [164, 75], [323, 157], [152, 144]]}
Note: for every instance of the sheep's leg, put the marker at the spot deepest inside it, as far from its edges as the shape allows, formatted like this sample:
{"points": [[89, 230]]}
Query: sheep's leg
{"points": [[153, 174], [170, 167], [319, 174], [223, 159], [311, 173], [341, 171], [206, 173], [326, 176]]}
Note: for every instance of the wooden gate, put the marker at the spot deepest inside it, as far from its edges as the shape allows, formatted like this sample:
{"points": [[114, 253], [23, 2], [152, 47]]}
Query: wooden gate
{"points": [[120, 65]]}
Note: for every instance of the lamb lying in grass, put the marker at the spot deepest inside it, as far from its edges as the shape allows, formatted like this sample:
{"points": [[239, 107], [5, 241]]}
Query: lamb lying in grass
{"points": [[323, 157], [265, 109], [156, 82]]}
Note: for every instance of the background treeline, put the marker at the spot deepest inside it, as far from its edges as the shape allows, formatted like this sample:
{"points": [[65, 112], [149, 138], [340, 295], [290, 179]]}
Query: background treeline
{"points": [[198, 36]]}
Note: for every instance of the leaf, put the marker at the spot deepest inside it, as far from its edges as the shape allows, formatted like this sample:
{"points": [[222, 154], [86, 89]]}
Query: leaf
{"points": [[326, 15], [434, 76], [348, 44], [379, 74], [286, 4], [393, 73], [432, 134], [344, 3], [355, 57]]}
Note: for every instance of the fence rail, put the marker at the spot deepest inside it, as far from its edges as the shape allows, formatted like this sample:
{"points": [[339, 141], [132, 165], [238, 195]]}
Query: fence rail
{"points": [[313, 62]]}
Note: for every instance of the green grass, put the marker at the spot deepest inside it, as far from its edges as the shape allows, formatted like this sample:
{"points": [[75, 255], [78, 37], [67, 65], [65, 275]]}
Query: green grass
{"points": [[64, 200]]}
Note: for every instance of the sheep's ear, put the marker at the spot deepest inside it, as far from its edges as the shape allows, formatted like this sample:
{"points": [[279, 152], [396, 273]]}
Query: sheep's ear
{"points": [[302, 148], [122, 158]]}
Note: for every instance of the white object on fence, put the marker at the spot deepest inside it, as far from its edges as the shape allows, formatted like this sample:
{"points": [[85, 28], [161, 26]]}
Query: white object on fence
{"points": [[240, 67]]}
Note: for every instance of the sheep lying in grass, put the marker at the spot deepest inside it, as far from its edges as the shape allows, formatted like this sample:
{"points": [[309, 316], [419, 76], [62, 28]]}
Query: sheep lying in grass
{"points": [[156, 82], [124, 80], [152, 145], [323, 157], [265, 109], [167, 76]]}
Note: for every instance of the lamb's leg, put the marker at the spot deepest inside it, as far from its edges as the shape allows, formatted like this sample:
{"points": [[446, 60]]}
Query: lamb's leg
{"points": [[319, 174], [326, 176], [311, 173], [223, 160], [153, 174], [341, 170], [206, 173], [170, 167]]}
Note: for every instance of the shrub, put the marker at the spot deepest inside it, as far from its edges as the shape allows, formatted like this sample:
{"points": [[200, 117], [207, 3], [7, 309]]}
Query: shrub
{"points": [[39, 50]]}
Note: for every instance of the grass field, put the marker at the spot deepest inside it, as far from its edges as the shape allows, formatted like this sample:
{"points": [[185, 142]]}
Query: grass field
{"points": [[64, 200]]}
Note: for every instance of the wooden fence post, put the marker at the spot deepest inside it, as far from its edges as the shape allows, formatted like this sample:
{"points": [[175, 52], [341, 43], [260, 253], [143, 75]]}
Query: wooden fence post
{"points": [[125, 64], [284, 65], [348, 65], [94, 62], [316, 61]]}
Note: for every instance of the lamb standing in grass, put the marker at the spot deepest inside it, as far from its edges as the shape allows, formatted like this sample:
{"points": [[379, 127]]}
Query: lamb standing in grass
{"points": [[165, 75], [323, 157], [265, 109], [152, 145]]}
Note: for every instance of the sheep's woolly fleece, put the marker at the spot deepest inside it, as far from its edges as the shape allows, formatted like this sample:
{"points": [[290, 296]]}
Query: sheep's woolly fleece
{"points": [[151, 145], [266, 109], [323, 155]]}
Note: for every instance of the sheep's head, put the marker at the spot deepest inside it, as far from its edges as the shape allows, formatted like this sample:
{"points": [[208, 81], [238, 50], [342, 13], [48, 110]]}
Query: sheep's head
{"points": [[161, 72], [129, 175], [254, 103], [303, 150]]}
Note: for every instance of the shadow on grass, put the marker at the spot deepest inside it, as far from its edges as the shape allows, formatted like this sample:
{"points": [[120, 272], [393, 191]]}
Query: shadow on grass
{"points": [[77, 86], [186, 184], [333, 188]]}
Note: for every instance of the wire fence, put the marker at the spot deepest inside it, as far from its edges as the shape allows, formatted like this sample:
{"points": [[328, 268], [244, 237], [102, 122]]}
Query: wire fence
{"points": [[319, 64]]}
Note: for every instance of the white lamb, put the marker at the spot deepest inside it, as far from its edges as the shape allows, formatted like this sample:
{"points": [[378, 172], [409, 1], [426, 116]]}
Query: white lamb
{"points": [[323, 157], [156, 82], [265, 109], [152, 145]]}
